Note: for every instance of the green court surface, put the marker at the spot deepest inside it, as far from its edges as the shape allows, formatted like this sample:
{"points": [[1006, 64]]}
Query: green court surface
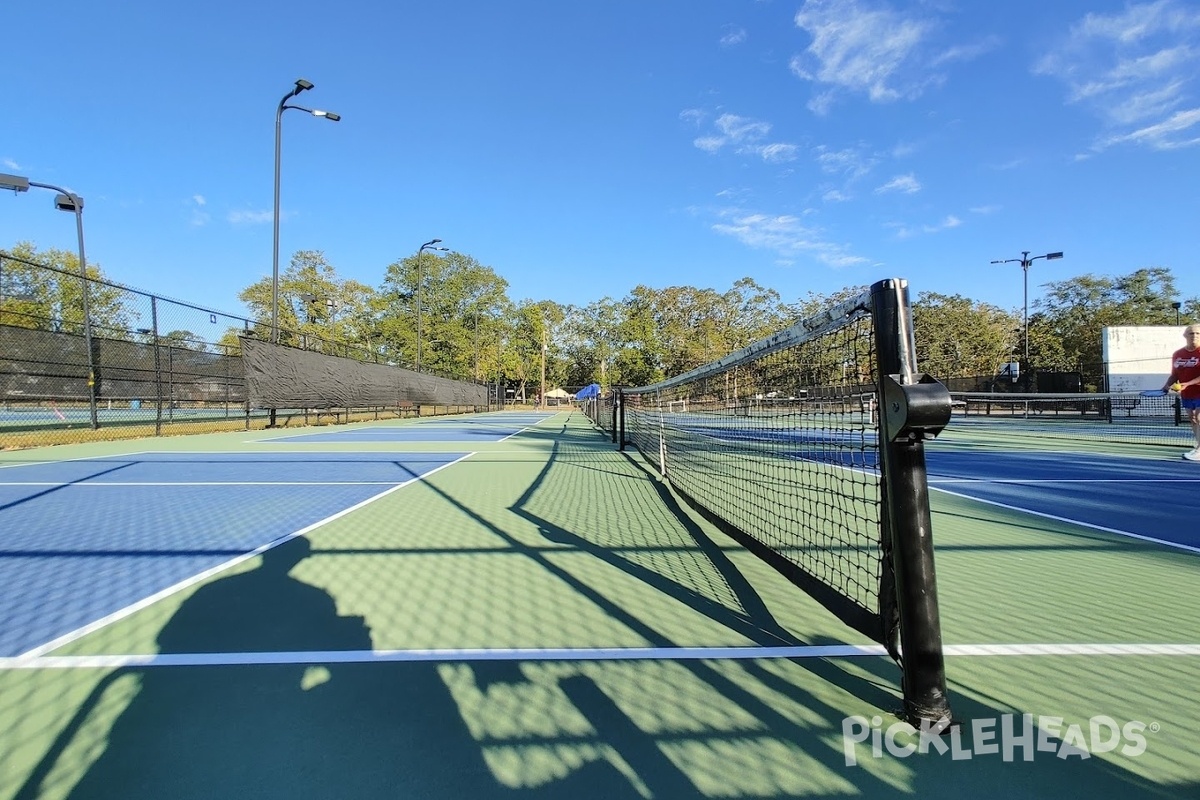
{"points": [[545, 619]]}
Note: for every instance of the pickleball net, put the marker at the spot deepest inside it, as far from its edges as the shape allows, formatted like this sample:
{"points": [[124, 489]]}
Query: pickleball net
{"points": [[783, 445], [1109, 417]]}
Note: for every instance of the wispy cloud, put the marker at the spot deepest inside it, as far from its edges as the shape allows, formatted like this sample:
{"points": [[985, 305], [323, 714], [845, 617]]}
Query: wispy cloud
{"points": [[847, 161], [200, 217], [743, 135], [785, 235], [10, 164], [870, 48], [733, 36], [989, 209], [906, 184], [250, 217], [906, 232], [1137, 70]]}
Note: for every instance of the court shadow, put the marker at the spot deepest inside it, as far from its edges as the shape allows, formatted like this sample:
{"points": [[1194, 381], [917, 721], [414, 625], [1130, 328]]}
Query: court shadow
{"points": [[304, 727]]}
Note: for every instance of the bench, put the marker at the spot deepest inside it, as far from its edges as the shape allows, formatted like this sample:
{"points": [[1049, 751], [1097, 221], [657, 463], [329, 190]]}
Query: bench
{"points": [[1126, 404]]}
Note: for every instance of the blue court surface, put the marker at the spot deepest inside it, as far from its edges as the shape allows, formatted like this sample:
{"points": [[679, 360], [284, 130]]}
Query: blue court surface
{"points": [[1142, 497], [472, 429], [83, 539]]}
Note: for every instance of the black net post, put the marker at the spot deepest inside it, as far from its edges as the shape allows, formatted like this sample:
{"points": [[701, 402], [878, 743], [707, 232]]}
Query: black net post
{"points": [[619, 428], [912, 406], [616, 403]]}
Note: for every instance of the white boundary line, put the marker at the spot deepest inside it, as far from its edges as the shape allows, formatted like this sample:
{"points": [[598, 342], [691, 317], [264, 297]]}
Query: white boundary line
{"points": [[78, 458], [145, 602], [90, 483], [31, 661], [1069, 520], [937, 479]]}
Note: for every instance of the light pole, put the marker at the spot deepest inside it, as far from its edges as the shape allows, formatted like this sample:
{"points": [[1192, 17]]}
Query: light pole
{"points": [[69, 201], [1025, 261], [1176, 305], [427, 246], [301, 85]]}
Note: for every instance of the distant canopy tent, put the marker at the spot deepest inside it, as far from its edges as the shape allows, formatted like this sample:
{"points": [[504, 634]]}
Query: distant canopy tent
{"points": [[590, 391], [561, 394]]}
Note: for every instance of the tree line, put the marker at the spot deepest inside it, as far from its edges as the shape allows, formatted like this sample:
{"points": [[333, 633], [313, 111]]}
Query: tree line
{"points": [[471, 329]]}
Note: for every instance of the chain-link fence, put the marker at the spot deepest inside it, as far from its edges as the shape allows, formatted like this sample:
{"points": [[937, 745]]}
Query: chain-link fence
{"points": [[133, 364]]}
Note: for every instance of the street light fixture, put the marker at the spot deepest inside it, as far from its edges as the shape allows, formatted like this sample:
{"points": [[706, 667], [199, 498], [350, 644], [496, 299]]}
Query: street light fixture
{"points": [[1176, 305], [1025, 261], [427, 246], [69, 201], [301, 85]]}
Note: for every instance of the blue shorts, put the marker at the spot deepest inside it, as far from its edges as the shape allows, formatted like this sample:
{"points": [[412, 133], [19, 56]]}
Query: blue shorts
{"points": [[1190, 403]]}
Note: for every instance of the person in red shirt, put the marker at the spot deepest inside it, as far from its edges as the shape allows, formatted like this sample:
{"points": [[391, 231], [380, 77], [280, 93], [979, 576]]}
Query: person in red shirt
{"points": [[1185, 379]]}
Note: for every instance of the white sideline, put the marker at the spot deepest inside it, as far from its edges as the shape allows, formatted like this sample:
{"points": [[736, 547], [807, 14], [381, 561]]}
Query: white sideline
{"points": [[35, 661]]}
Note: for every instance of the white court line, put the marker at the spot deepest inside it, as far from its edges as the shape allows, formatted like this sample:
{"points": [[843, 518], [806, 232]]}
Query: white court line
{"points": [[79, 458], [29, 661], [145, 602], [89, 483], [1057, 518], [933, 479]]}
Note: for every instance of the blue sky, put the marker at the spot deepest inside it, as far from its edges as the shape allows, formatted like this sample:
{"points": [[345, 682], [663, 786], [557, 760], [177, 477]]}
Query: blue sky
{"points": [[580, 149]]}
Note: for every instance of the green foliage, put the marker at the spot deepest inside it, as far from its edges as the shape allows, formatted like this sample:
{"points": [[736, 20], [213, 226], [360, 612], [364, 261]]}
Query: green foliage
{"points": [[43, 290], [957, 336]]}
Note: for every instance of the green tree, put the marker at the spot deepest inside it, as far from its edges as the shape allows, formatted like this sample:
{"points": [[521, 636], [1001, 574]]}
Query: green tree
{"points": [[956, 336], [1065, 330], [461, 302], [43, 290], [315, 305]]}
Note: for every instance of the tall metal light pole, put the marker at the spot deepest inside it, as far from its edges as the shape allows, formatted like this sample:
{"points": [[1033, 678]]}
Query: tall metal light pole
{"points": [[427, 246], [1025, 261], [69, 201], [1176, 305], [301, 85]]}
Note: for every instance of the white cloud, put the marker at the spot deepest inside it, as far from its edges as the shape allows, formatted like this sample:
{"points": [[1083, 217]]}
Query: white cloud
{"points": [[1138, 70], [250, 217], [10, 164], [867, 47], [1007, 165], [785, 235], [965, 52], [1170, 134], [905, 232], [199, 217], [733, 36], [989, 209], [836, 196], [949, 222], [906, 184], [693, 115], [737, 128], [851, 163], [744, 135], [776, 153]]}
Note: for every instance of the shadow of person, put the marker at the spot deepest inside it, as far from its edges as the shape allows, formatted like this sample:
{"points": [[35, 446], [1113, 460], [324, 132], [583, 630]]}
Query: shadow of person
{"points": [[216, 729], [298, 728]]}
